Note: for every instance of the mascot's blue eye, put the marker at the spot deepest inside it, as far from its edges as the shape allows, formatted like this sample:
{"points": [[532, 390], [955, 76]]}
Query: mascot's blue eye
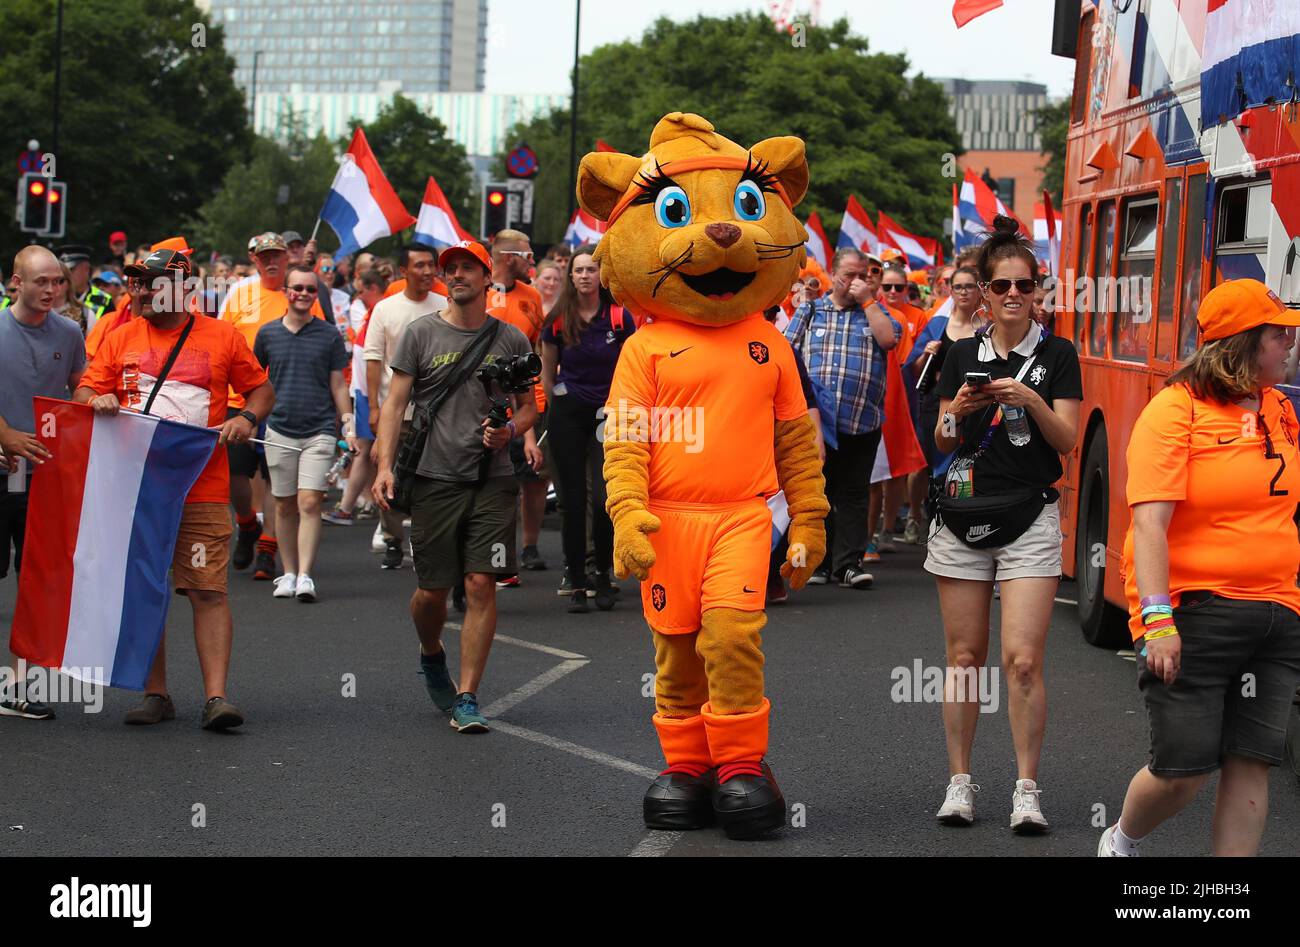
{"points": [[672, 209], [749, 201]]}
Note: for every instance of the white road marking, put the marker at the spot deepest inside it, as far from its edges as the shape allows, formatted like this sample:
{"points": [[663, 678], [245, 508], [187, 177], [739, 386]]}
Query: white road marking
{"points": [[1067, 601], [555, 743], [520, 643], [519, 694], [655, 845]]}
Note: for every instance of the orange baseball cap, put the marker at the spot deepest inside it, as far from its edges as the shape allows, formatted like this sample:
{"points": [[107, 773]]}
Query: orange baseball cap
{"points": [[1240, 305], [466, 248], [178, 244]]}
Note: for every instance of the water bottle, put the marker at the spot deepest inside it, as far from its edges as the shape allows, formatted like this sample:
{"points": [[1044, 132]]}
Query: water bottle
{"points": [[340, 465], [1017, 425]]}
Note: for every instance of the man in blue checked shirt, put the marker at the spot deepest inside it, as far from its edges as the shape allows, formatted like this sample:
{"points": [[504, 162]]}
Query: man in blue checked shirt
{"points": [[843, 338]]}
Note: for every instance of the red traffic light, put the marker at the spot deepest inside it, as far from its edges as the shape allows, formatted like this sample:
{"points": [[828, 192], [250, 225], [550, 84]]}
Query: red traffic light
{"points": [[36, 188], [54, 196], [496, 198]]}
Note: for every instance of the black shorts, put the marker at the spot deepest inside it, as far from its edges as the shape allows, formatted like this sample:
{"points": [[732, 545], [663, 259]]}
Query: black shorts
{"points": [[1233, 694], [13, 523], [245, 459], [459, 528]]}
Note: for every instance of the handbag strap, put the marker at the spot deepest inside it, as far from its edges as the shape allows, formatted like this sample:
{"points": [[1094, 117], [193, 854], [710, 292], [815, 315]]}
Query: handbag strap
{"points": [[167, 366]]}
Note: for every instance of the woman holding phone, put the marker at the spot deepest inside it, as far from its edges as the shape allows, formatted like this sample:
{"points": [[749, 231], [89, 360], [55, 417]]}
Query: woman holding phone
{"points": [[1009, 407]]}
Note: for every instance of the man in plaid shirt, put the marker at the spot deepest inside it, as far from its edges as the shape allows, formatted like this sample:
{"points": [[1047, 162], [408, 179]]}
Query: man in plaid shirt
{"points": [[842, 338]]}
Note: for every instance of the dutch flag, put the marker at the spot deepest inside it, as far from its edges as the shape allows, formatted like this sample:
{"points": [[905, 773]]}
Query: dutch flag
{"points": [[584, 228], [437, 225], [818, 247], [921, 252], [362, 206], [856, 229], [93, 592]]}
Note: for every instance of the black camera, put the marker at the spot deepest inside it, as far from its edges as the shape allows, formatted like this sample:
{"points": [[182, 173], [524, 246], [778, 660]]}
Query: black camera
{"points": [[513, 375]]}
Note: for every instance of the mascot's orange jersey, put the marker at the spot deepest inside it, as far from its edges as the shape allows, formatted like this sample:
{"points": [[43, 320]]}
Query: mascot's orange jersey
{"points": [[710, 442]]}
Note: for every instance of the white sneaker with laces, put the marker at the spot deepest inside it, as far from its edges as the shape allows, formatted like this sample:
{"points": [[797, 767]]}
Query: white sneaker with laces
{"points": [[959, 804], [306, 589], [377, 543], [1026, 816], [286, 586], [1106, 846]]}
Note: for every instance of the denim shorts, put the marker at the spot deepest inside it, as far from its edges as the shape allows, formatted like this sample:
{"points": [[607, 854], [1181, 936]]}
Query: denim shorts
{"points": [[1233, 694]]}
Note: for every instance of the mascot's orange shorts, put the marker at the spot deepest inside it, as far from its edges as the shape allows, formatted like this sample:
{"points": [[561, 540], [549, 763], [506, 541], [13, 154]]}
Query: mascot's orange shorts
{"points": [[707, 555]]}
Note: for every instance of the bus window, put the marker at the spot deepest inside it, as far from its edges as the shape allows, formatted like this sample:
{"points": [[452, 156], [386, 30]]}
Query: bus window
{"points": [[1241, 247], [1193, 253], [1169, 269], [1103, 291], [1081, 269], [1132, 295]]}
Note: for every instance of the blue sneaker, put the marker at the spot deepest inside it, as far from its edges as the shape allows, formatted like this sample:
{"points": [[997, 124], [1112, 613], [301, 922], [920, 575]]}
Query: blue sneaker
{"points": [[465, 716], [437, 681]]}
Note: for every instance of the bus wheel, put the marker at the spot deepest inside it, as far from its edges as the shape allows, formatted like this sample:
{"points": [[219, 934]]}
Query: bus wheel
{"points": [[1103, 624]]}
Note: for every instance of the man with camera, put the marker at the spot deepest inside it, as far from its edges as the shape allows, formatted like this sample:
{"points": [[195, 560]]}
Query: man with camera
{"points": [[463, 370]]}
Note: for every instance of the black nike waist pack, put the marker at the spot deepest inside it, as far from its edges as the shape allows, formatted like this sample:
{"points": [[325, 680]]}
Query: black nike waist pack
{"points": [[989, 522]]}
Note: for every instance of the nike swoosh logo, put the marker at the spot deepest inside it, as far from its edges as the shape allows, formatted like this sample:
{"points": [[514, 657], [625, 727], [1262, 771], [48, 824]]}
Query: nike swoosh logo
{"points": [[1230, 440], [749, 590], [680, 351]]}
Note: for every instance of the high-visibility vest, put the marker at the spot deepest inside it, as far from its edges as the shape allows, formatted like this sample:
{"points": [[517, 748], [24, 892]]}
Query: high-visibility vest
{"points": [[97, 301]]}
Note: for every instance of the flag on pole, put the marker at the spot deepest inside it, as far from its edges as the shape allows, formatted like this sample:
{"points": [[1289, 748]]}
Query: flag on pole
{"points": [[819, 248], [103, 516], [437, 225], [856, 229], [1052, 225], [963, 11], [362, 206], [977, 207], [921, 252], [584, 228]]}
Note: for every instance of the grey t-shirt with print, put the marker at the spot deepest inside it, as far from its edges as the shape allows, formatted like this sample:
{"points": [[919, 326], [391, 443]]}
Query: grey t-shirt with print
{"points": [[428, 351]]}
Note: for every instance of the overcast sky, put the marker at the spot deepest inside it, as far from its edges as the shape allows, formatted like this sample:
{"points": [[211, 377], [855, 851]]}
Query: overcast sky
{"points": [[530, 42]]}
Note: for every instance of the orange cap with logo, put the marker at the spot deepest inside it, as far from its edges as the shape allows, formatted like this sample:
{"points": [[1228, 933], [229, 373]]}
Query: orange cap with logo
{"points": [[1240, 305]]}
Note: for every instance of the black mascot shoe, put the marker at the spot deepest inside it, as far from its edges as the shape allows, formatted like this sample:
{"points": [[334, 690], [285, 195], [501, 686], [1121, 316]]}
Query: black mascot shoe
{"points": [[749, 805], [679, 802]]}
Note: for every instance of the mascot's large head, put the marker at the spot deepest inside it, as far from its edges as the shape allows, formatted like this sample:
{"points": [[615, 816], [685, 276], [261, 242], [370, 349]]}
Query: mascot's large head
{"points": [[700, 229]]}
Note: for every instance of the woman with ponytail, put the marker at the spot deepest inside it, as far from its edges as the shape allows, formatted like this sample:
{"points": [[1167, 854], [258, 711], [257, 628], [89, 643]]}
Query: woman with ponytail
{"points": [[1009, 407]]}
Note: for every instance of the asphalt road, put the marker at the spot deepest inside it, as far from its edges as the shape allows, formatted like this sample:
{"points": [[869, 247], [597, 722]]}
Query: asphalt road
{"points": [[315, 772]]}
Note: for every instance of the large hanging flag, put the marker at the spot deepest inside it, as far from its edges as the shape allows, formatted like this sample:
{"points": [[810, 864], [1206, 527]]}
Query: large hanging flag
{"points": [[856, 229], [362, 206], [437, 225], [584, 228], [819, 248], [1250, 56], [963, 11], [103, 516], [921, 252]]}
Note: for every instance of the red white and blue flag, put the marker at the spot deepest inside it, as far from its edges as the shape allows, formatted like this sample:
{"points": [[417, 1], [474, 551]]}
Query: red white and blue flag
{"points": [[584, 228], [362, 206], [921, 252], [1047, 234], [102, 521], [977, 205], [818, 247], [1250, 57], [437, 225], [856, 229]]}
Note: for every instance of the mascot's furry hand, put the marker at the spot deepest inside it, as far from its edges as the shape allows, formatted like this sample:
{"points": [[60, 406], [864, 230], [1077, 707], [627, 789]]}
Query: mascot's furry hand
{"points": [[627, 475], [799, 472]]}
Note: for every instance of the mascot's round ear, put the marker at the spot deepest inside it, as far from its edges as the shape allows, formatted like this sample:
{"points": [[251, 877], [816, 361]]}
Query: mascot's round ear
{"points": [[786, 159], [603, 177]]}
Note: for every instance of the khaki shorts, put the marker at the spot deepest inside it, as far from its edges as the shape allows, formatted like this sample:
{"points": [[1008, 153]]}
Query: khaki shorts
{"points": [[1036, 553], [292, 471], [459, 528], [202, 548]]}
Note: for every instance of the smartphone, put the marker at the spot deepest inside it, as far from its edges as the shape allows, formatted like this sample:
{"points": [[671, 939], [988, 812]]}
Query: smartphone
{"points": [[975, 379]]}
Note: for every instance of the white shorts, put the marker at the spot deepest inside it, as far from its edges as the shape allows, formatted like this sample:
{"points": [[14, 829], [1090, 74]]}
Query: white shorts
{"points": [[1035, 553], [292, 471]]}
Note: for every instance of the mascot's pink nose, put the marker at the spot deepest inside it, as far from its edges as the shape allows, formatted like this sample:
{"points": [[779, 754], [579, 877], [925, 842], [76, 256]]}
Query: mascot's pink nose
{"points": [[724, 235]]}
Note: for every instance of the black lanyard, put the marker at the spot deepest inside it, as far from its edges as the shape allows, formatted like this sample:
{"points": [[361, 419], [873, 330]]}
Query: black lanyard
{"points": [[167, 366]]}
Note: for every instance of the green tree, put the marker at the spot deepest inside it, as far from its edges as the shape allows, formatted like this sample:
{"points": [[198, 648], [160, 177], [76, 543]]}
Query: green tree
{"points": [[281, 187], [869, 129], [1053, 124], [151, 118]]}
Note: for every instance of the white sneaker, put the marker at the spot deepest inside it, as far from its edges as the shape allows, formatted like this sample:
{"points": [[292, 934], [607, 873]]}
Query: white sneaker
{"points": [[1106, 846], [286, 586], [306, 589], [377, 543], [1026, 816], [959, 805]]}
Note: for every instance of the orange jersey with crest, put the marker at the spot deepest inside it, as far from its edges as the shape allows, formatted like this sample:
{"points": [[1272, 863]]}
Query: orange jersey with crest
{"points": [[707, 399]]}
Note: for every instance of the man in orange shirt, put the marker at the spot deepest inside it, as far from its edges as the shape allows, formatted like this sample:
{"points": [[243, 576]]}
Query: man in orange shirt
{"points": [[212, 359], [513, 301], [249, 306], [122, 311]]}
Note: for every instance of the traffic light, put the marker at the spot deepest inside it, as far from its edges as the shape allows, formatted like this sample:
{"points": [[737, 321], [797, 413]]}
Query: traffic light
{"points": [[33, 203], [58, 201], [496, 209]]}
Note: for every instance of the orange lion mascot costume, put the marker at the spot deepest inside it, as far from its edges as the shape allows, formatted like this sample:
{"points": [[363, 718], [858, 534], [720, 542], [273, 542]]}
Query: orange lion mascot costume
{"points": [[705, 421]]}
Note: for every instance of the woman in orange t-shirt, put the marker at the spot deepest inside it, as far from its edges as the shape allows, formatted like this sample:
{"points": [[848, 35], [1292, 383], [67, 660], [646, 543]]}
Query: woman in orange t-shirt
{"points": [[1210, 565]]}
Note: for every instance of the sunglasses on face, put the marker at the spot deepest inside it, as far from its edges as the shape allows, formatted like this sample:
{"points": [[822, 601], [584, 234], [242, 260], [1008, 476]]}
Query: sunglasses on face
{"points": [[1000, 287], [894, 287], [526, 254], [308, 290]]}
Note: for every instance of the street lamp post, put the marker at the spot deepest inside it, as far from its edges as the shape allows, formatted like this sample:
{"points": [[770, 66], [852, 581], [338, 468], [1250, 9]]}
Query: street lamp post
{"points": [[257, 54], [573, 117]]}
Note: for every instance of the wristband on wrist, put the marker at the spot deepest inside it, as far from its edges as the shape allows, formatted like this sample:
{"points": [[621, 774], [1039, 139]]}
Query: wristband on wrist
{"points": [[1162, 633], [1156, 600], [513, 431]]}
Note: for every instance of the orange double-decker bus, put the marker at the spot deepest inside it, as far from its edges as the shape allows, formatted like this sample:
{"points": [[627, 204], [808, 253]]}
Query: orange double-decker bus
{"points": [[1182, 170]]}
